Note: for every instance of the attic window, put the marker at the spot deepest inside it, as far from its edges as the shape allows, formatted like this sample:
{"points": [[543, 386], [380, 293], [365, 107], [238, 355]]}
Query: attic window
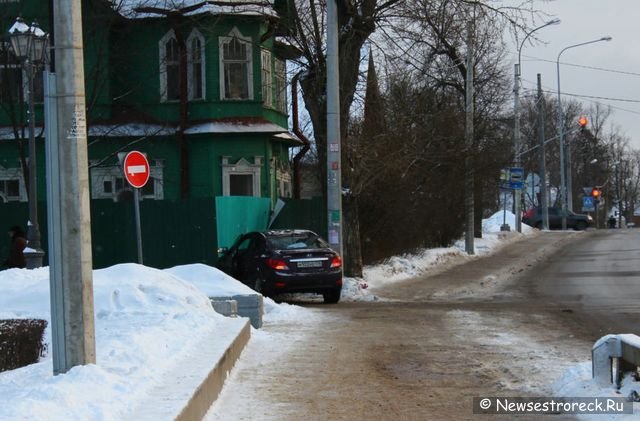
{"points": [[236, 67]]}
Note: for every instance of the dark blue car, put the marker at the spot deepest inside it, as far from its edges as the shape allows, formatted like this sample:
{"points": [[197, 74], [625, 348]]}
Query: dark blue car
{"points": [[283, 261]]}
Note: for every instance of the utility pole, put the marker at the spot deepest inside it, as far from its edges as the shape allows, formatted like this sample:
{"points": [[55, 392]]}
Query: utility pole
{"points": [[334, 174], [517, 193], [468, 136], [71, 276], [543, 171]]}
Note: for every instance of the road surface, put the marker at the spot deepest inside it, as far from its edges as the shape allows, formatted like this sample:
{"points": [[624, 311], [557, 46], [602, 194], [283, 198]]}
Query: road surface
{"points": [[505, 325]]}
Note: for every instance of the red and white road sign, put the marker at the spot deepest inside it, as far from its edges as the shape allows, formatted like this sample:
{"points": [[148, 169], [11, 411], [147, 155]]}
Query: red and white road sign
{"points": [[136, 169]]}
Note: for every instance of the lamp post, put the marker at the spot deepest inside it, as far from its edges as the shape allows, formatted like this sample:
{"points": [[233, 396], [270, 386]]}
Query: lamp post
{"points": [[516, 125], [566, 197], [29, 44]]}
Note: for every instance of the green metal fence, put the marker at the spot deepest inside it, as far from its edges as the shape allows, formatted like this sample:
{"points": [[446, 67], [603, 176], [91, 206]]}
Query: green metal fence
{"points": [[173, 233], [303, 214]]}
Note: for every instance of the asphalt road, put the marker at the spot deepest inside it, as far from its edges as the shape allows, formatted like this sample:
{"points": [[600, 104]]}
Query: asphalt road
{"points": [[597, 276], [505, 325]]}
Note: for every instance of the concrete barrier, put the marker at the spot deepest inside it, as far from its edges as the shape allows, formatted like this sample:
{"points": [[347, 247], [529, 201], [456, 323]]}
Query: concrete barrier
{"points": [[249, 305], [613, 355], [227, 308]]}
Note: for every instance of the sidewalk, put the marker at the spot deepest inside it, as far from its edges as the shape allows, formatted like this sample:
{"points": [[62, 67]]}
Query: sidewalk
{"points": [[196, 381]]}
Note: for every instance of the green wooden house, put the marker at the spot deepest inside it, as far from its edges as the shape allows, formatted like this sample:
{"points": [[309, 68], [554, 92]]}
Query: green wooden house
{"points": [[200, 87]]}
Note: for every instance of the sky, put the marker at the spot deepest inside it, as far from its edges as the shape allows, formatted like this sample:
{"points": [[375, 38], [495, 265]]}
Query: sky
{"points": [[582, 21]]}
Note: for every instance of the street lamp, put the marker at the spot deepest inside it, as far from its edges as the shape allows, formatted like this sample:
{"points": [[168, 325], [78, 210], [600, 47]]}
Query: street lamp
{"points": [[30, 44], [566, 198], [516, 111]]}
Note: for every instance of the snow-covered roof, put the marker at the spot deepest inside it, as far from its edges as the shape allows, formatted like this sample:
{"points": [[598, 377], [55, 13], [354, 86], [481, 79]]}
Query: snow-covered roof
{"points": [[137, 9], [132, 129], [235, 127]]}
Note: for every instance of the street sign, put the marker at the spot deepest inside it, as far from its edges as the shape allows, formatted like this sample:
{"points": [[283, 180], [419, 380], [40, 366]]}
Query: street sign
{"points": [[516, 177], [588, 204], [136, 169]]}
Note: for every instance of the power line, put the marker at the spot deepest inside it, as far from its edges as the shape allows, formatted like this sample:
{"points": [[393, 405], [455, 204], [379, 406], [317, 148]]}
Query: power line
{"points": [[590, 98], [550, 91], [602, 69]]}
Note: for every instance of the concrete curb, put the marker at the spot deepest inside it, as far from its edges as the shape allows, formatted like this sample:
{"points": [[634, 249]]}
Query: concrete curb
{"points": [[195, 383], [208, 391]]}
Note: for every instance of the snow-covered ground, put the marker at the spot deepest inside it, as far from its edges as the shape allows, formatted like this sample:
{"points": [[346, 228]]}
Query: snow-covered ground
{"points": [[147, 318]]}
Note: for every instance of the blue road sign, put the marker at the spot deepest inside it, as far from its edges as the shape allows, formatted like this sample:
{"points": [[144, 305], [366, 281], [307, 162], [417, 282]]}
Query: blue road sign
{"points": [[588, 204], [517, 177]]}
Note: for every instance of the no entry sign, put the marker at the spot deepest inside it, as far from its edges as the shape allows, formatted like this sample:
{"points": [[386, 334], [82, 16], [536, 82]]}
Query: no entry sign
{"points": [[136, 169]]}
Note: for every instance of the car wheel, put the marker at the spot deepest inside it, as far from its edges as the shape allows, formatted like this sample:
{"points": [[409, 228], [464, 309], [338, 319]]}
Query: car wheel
{"points": [[538, 225], [581, 225], [332, 296]]}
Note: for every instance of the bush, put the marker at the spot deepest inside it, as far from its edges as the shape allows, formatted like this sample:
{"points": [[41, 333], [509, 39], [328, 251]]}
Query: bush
{"points": [[21, 342]]}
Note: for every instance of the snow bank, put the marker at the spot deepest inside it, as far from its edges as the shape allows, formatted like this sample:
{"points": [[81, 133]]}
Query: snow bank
{"points": [[145, 319], [213, 282]]}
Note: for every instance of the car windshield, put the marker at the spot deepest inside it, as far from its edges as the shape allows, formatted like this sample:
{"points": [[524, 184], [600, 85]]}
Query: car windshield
{"points": [[296, 241]]}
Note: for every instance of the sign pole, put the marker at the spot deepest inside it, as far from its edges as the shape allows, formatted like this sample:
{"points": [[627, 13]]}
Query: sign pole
{"points": [[136, 205], [137, 173]]}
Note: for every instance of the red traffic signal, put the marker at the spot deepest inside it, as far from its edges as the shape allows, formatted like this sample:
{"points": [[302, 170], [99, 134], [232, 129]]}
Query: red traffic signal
{"points": [[596, 193], [583, 121]]}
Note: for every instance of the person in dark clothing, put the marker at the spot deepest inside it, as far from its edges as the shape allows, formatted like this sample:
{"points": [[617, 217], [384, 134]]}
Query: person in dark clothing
{"points": [[16, 252]]}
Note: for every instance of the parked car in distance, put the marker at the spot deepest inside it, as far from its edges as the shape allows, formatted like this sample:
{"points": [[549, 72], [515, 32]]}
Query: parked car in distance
{"points": [[577, 221], [283, 261]]}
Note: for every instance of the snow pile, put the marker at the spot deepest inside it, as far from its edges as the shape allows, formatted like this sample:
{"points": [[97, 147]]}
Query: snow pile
{"points": [[145, 320], [577, 381], [493, 223], [400, 268], [213, 282]]}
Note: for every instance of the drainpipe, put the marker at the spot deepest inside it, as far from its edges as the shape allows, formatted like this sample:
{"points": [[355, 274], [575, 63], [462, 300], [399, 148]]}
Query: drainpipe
{"points": [[301, 136]]}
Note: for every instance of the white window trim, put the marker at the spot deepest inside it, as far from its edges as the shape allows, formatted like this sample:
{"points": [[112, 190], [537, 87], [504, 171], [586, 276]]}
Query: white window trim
{"points": [[163, 64], [241, 167], [100, 174], [196, 34], [267, 85], [8, 174], [235, 33]]}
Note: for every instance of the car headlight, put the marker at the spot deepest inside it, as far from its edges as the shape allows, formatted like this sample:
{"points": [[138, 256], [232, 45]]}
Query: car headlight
{"points": [[589, 218]]}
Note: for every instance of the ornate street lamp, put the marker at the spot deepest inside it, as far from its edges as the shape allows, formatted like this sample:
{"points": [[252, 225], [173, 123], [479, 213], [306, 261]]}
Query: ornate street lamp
{"points": [[30, 44]]}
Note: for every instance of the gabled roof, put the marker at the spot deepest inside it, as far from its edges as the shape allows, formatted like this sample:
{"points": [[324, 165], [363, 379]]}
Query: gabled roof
{"points": [[138, 9]]}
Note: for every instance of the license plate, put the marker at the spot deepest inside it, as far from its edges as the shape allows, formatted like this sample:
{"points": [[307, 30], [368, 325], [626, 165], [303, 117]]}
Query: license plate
{"points": [[312, 264]]}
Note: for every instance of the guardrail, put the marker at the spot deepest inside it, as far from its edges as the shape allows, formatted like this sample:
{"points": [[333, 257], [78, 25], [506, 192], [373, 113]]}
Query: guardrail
{"points": [[614, 355]]}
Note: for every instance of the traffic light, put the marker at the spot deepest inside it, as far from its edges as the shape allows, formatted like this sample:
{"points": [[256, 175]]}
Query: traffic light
{"points": [[596, 193], [582, 122]]}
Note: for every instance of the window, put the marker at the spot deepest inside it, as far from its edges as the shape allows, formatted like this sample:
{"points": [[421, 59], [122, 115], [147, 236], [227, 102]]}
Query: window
{"points": [[281, 85], [108, 183], [12, 187], [169, 67], [267, 87], [241, 178], [236, 67], [284, 185], [195, 49], [240, 184]]}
